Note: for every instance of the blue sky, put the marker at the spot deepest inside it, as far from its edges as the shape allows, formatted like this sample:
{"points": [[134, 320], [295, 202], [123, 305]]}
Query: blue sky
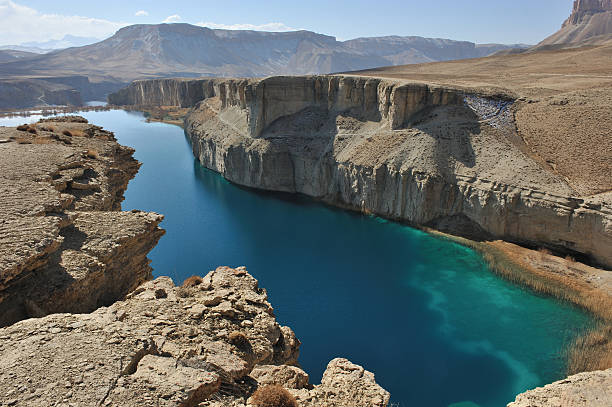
{"points": [[517, 21]]}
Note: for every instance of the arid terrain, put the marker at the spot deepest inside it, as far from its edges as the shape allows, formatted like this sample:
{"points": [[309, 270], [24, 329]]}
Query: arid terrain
{"points": [[509, 154], [563, 110]]}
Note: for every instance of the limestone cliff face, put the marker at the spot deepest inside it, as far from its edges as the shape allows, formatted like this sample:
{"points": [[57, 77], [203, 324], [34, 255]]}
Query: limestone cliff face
{"points": [[428, 155], [64, 244]]}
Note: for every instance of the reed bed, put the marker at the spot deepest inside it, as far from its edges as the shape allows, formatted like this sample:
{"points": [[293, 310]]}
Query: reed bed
{"points": [[590, 351]]}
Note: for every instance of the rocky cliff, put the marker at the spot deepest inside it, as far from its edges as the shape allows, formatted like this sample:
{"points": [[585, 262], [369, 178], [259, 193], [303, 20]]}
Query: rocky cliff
{"points": [[64, 244], [212, 342], [67, 249], [437, 156], [590, 22]]}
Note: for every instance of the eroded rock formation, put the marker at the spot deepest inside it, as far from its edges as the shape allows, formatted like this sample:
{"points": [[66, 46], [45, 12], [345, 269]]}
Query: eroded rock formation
{"points": [[437, 156], [209, 343], [64, 244]]}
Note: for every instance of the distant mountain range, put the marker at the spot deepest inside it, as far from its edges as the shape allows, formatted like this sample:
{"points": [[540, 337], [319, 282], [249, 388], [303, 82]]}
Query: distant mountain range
{"points": [[51, 45], [141, 51]]}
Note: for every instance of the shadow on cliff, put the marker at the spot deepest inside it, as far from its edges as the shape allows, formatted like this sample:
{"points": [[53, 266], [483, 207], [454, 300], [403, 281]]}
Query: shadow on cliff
{"points": [[452, 128]]}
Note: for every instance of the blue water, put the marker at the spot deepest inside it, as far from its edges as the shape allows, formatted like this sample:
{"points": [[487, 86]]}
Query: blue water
{"points": [[423, 313]]}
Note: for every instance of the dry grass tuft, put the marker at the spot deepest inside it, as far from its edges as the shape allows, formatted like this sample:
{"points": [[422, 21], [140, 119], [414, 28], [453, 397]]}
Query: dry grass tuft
{"points": [[92, 154], [78, 133], [192, 281], [592, 351], [30, 128], [273, 395], [42, 140], [51, 129]]}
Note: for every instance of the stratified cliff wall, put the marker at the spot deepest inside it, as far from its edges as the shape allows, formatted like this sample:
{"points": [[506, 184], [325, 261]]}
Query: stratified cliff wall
{"points": [[427, 155]]}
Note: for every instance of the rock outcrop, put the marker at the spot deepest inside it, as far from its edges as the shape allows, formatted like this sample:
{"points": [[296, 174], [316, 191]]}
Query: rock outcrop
{"points": [[443, 157], [211, 343], [64, 244], [593, 389], [589, 23]]}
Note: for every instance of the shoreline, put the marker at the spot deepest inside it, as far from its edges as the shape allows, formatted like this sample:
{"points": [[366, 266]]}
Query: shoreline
{"points": [[566, 280], [563, 279]]}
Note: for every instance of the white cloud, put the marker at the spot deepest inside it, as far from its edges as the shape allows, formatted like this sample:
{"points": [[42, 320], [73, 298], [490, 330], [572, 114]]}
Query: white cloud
{"points": [[174, 18], [141, 13], [254, 27], [22, 24]]}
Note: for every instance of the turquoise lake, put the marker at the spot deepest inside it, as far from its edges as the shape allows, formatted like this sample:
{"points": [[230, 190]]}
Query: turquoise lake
{"points": [[424, 314]]}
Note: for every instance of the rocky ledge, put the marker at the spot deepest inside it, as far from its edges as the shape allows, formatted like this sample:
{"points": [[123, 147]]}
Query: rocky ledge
{"points": [[592, 389], [64, 244], [441, 157], [212, 342]]}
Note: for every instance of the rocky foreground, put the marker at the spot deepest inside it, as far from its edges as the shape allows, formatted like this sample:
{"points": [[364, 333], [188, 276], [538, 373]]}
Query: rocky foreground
{"points": [[66, 249], [212, 342]]}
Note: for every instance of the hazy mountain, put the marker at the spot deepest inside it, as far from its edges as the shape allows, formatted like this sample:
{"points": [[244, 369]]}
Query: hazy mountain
{"points": [[141, 51], [162, 50], [66, 42], [589, 23], [33, 50], [410, 50]]}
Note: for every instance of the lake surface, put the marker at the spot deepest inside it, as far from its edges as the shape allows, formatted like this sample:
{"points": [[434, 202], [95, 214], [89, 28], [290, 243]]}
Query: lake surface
{"points": [[424, 314]]}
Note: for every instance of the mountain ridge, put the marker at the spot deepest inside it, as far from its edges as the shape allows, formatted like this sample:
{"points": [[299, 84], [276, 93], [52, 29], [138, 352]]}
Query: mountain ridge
{"points": [[143, 50]]}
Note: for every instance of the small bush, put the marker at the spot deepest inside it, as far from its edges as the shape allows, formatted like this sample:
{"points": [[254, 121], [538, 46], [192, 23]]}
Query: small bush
{"points": [[273, 395], [192, 281], [23, 127], [32, 129], [51, 129], [161, 293], [67, 133]]}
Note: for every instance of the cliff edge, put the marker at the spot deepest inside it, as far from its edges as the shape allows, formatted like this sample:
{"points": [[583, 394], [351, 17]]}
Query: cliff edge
{"points": [[445, 157], [65, 246], [211, 342]]}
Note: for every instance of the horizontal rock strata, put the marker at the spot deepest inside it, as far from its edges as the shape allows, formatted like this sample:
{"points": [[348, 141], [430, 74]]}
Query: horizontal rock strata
{"points": [[440, 157], [64, 245], [212, 342]]}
